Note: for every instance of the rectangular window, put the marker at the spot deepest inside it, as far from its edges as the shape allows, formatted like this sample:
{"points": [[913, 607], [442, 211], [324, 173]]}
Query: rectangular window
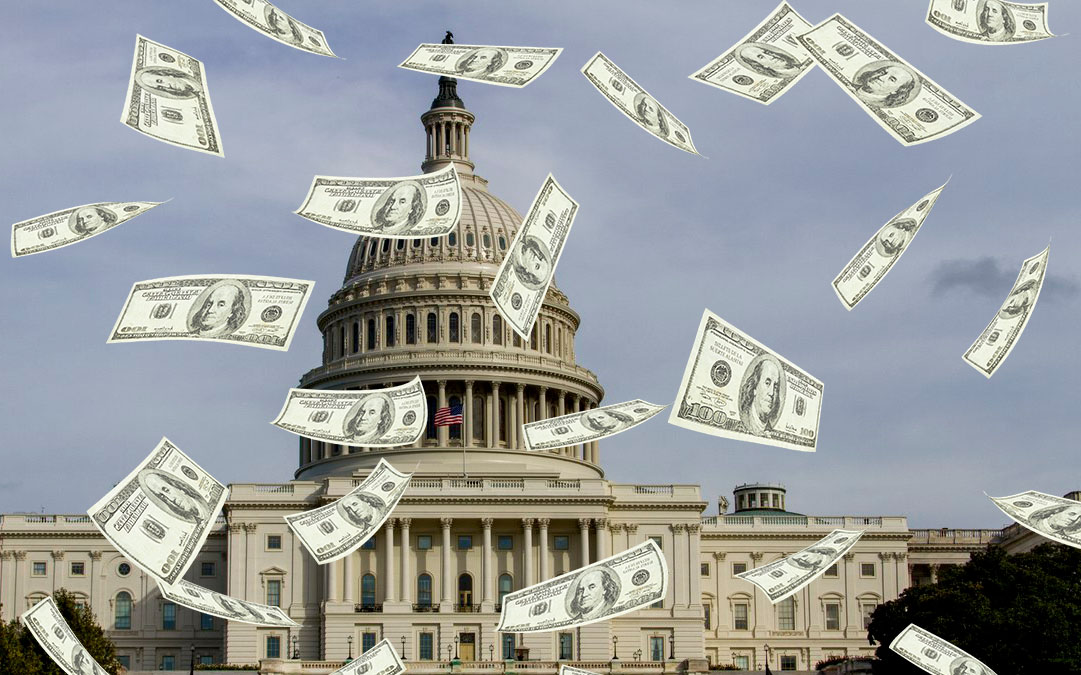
{"points": [[742, 662], [738, 568], [508, 646], [273, 647], [274, 542], [206, 622], [658, 541], [705, 616], [168, 616], [424, 590], [704, 569], [206, 569], [566, 646], [505, 542], [367, 641], [426, 644], [78, 569], [831, 572], [867, 610], [465, 542], [424, 542], [206, 660], [739, 615], [561, 542], [788, 662], [833, 616], [125, 661], [369, 545], [656, 648], [39, 569], [274, 592], [786, 614], [776, 502], [168, 662], [750, 501], [867, 569]]}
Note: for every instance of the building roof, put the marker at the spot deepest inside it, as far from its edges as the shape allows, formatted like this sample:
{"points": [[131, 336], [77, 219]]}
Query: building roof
{"points": [[766, 512]]}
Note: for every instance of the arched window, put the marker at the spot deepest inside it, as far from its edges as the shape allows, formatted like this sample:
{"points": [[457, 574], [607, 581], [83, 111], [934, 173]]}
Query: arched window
{"points": [[371, 249], [505, 583], [475, 329], [341, 341], [424, 590], [371, 334], [465, 591], [548, 339], [517, 340], [356, 337], [478, 415], [390, 329], [455, 335], [386, 245], [452, 239], [533, 338], [502, 243], [431, 433], [433, 328], [367, 590], [456, 429], [487, 241], [400, 245], [435, 241], [503, 412], [469, 239], [123, 611], [417, 243], [497, 329], [410, 329]]}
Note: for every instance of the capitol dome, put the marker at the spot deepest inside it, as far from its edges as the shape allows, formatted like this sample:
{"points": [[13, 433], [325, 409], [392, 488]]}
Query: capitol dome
{"points": [[421, 307]]}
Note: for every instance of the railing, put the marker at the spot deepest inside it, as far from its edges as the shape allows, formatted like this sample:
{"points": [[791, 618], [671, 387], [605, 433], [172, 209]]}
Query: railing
{"points": [[800, 521], [508, 484], [555, 484], [275, 489], [368, 607], [428, 483], [447, 356], [654, 490], [40, 519], [948, 536], [467, 483], [832, 521], [467, 608], [709, 520], [425, 607]]}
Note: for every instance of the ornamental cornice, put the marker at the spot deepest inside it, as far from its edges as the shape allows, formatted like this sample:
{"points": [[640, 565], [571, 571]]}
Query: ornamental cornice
{"points": [[521, 501], [709, 535], [623, 505], [956, 548]]}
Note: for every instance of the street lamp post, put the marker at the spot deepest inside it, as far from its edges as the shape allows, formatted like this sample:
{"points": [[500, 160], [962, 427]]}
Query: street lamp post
{"points": [[350, 641], [637, 654], [456, 647], [615, 647], [450, 647], [296, 650], [491, 652], [672, 647], [403, 648], [767, 654]]}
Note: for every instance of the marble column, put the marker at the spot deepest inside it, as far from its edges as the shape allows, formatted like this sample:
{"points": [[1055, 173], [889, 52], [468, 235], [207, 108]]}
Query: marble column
{"points": [[902, 572], [679, 562], [234, 584], [512, 426], [595, 452], [576, 451], [583, 531], [542, 404], [486, 566], [562, 410], [694, 532], [602, 537], [521, 416], [349, 582], [331, 594], [445, 582], [441, 432], [467, 412], [17, 576], [488, 429], [542, 534], [407, 552], [632, 534], [390, 590], [527, 550], [495, 416], [58, 559], [853, 622], [95, 585]]}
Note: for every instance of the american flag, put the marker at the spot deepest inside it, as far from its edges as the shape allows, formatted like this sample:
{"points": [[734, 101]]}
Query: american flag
{"points": [[445, 417]]}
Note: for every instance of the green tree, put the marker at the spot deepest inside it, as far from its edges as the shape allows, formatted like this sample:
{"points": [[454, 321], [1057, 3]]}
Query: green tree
{"points": [[21, 654], [1016, 613]]}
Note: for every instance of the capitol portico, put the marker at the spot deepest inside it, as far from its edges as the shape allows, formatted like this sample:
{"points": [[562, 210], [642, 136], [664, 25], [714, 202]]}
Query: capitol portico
{"points": [[482, 517]]}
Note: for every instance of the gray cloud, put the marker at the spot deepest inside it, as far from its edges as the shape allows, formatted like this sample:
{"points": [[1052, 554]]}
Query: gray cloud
{"points": [[990, 277]]}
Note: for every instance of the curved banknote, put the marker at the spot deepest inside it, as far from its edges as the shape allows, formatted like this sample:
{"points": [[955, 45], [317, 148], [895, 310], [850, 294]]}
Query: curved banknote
{"points": [[381, 659], [766, 62], [1056, 518], [274, 23], [161, 513], [337, 529], [635, 102], [256, 311], [997, 340], [70, 226], [505, 66], [989, 22], [168, 98], [47, 625], [904, 101], [382, 418], [877, 257], [734, 387], [564, 669], [931, 653], [787, 576], [407, 207], [587, 425], [608, 588], [523, 279], [210, 602]]}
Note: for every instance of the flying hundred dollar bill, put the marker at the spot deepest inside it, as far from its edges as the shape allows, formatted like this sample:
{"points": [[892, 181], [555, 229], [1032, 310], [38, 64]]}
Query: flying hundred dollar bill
{"points": [[608, 588], [787, 576], [1056, 518], [160, 514], [997, 340], [936, 656], [989, 22], [381, 659], [168, 99], [904, 101], [209, 602], [408, 207], [505, 66], [337, 529], [267, 19], [523, 279], [564, 669], [256, 311], [635, 102], [587, 425], [877, 257], [766, 63], [382, 418], [56, 638], [734, 387], [70, 226]]}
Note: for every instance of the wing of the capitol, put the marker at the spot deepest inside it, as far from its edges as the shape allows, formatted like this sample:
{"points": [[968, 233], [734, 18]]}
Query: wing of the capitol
{"points": [[482, 517]]}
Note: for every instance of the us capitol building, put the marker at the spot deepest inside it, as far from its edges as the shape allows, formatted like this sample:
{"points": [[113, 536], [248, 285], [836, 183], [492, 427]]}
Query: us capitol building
{"points": [[482, 517]]}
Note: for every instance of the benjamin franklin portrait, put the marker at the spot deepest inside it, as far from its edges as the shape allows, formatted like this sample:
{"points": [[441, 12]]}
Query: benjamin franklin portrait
{"points": [[361, 509], [966, 665], [220, 309], [531, 262], [83, 663], [172, 495], [768, 60], [892, 238], [812, 559], [399, 208], [168, 82], [91, 220], [606, 421], [886, 84], [592, 593], [481, 61], [649, 114], [1020, 300], [369, 418], [282, 25], [995, 20], [1060, 520], [229, 606], [762, 394]]}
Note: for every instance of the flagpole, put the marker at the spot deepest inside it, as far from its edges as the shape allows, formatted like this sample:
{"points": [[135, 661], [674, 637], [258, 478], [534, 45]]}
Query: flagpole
{"points": [[464, 474]]}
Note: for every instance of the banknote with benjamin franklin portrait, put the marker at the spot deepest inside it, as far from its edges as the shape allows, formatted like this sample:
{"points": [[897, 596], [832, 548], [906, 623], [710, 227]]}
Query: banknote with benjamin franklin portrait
{"points": [[587, 425], [227, 607], [265, 18], [783, 578], [1055, 518], [490, 64], [930, 653], [52, 632], [70, 226], [989, 22]]}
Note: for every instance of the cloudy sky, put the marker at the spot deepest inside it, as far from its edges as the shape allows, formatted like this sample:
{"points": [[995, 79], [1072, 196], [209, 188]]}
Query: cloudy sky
{"points": [[755, 233]]}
